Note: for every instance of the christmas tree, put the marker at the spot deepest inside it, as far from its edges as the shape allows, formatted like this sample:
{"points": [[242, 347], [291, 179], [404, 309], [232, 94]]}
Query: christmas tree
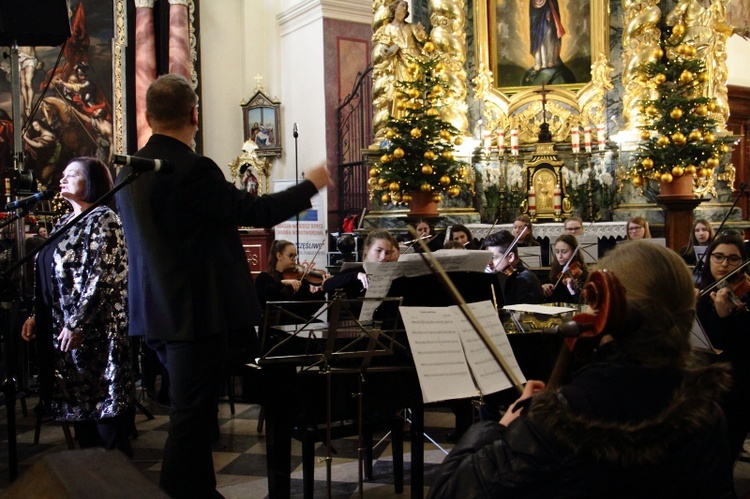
{"points": [[418, 150], [678, 136]]}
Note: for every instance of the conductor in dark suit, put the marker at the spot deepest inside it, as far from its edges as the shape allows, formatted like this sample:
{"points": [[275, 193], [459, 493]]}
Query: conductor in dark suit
{"points": [[190, 288]]}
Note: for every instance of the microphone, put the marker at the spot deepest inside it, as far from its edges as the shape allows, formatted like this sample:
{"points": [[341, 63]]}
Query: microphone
{"points": [[295, 131], [144, 164], [29, 201]]}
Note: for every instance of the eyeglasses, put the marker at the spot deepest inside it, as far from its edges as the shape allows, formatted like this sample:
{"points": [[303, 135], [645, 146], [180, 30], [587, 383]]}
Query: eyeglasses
{"points": [[293, 256], [720, 257], [635, 228], [573, 229]]}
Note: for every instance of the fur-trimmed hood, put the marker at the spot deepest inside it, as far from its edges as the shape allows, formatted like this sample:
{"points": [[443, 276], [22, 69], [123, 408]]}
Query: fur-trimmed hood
{"points": [[629, 441]]}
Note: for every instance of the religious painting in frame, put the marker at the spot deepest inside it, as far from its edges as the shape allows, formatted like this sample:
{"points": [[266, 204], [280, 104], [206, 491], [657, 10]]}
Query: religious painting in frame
{"points": [[261, 117], [529, 43], [72, 95]]}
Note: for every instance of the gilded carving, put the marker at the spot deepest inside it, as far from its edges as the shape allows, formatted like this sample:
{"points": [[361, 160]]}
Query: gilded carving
{"points": [[118, 68]]}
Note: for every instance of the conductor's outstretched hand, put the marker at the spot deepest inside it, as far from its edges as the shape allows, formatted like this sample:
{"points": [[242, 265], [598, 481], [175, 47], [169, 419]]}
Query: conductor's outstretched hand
{"points": [[319, 176]]}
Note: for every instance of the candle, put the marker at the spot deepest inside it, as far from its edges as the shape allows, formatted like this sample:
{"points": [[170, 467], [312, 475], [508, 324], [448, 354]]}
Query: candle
{"points": [[514, 142], [501, 141], [601, 136], [557, 197], [575, 137], [487, 140], [587, 138], [532, 200]]}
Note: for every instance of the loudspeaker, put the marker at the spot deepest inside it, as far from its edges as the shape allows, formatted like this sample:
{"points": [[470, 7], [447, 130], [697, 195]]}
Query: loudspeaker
{"points": [[84, 474], [39, 23]]}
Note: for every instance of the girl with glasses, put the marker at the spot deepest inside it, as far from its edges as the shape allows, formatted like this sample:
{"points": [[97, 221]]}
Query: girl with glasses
{"points": [[638, 228], [728, 329]]}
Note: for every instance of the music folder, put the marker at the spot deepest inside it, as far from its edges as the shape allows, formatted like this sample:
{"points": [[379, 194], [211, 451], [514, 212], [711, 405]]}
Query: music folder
{"points": [[530, 256]]}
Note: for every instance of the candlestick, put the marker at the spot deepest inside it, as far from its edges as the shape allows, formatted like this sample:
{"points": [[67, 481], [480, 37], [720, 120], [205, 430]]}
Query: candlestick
{"points": [[514, 142], [557, 198], [575, 138], [601, 136], [587, 138]]}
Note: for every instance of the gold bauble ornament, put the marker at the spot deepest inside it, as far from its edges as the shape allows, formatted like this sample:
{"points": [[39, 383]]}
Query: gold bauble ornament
{"points": [[645, 135], [440, 67], [413, 93], [394, 187], [691, 169], [429, 155], [447, 155], [666, 177], [429, 47], [382, 182], [445, 135], [724, 148], [678, 171], [401, 105], [385, 158], [637, 181], [425, 187], [445, 180], [686, 76], [389, 134], [406, 198], [683, 49], [709, 138], [427, 169], [454, 191], [678, 30], [396, 197], [647, 163], [374, 172], [703, 172], [385, 198], [663, 141], [675, 113], [712, 162], [458, 141], [643, 78], [658, 53], [656, 176], [398, 153], [432, 112], [415, 133], [436, 197], [462, 172], [651, 110], [711, 106], [701, 110], [678, 139], [660, 78], [703, 77], [437, 90], [691, 51], [414, 67], [695, 135]]}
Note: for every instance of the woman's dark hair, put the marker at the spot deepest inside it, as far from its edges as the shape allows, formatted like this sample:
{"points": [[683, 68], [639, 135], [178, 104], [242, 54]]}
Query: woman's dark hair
{"points": [[706, 276], [278, 246], [461, 228], [98, 179], [571, 241]]}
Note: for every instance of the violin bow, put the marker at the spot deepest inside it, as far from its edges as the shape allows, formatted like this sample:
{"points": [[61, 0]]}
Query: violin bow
{"points": [[433, 264]]}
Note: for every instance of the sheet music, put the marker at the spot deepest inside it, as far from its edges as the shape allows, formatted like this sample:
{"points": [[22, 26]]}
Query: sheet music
{"points": [[531, 256], [412, 265], [447, 351], [538, 309]]}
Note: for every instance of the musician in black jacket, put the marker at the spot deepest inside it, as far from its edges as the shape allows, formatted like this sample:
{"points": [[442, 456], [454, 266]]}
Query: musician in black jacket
{"points": [[190, 288], [641, 420], [515, 282]]}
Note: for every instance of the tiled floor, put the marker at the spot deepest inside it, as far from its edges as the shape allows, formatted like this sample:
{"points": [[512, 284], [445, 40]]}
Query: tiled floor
{"points": [[239, 456]]}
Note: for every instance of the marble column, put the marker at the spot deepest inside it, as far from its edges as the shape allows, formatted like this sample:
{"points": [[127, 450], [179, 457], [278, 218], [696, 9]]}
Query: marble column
{"points": [[179, 38], [145, 64]]}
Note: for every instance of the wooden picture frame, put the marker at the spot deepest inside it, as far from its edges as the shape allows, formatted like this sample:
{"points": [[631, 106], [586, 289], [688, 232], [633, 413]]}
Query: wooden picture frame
{"points": [[261, 117], [504, 42], [77, 107]]}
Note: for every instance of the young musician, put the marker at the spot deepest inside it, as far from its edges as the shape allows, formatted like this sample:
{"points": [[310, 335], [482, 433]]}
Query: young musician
{"points": [[640, 420], [380, 246], [516, 283], [566, 286], [280, 281], [528, 238], [702, 235], [427, 233], [462, 235], [574, 226], [727, 326], [638, 228]]}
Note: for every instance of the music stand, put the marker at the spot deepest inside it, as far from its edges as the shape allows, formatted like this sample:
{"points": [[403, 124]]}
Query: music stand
{"points": [[358, 344]]}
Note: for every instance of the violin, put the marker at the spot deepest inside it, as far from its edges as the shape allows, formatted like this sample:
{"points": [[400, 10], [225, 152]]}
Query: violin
{"points": [[605, 295], [305, 275], [571, 275], [737, 288]]}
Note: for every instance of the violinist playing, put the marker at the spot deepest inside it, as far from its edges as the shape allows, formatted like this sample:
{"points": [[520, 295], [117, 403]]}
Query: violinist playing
{"points": [[286, 281], [722, 312], [566, 279], [515, 282], [640, 420]]}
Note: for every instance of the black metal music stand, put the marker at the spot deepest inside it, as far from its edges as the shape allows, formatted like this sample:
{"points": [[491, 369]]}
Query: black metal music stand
{"points": [[345, 346]]}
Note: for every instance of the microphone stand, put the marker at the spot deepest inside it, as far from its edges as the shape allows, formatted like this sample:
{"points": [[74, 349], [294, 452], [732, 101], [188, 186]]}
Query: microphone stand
{"points": [[295, 133]]}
